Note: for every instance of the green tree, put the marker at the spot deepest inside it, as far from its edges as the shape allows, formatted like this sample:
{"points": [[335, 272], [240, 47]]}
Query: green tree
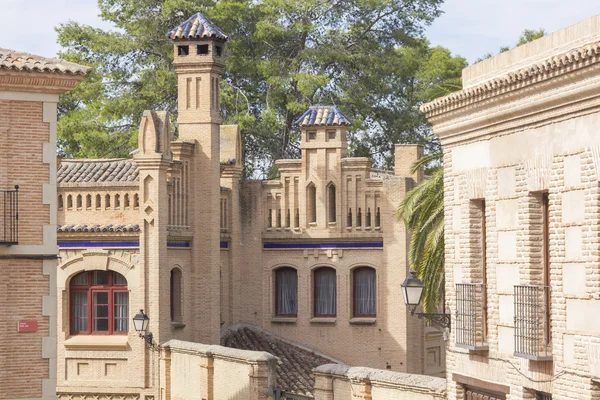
{"points": [[366, 56], [422, 210]]}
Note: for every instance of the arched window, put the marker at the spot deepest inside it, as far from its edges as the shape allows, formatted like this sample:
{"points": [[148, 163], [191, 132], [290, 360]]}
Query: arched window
{"points": [[365, 292], [98, 202], [60, 202], [324, 292], [126, 200], [136, 200], [107, 201], [99, 303], [88, 201], [176, 313], [331, 206], [117, 201], [69, 202], [311, 201], [79, 202], [286, 292]]}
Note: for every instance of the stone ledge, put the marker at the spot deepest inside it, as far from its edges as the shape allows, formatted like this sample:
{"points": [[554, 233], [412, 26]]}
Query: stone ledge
{"points": [[383, 377], [363, 321], [218, 351], [284, 320], [97, 342]]}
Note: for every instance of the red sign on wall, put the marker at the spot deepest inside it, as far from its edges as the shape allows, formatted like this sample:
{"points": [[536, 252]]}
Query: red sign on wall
{"points": [[27, 326]]}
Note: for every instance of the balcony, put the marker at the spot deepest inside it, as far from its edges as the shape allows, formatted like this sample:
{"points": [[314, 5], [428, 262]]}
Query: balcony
{"points": [[470, 317], [532, 330], [9, 218]]}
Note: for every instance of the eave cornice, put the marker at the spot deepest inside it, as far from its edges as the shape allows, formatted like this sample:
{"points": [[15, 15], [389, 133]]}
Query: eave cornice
{"points": [[38, 82], [550, 68]]}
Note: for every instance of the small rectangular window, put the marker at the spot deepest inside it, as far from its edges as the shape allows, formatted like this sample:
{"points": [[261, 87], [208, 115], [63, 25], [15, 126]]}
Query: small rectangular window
{"points": [[219, 50], [183, 50], [202, 49], [330, 135], [312, 135]]}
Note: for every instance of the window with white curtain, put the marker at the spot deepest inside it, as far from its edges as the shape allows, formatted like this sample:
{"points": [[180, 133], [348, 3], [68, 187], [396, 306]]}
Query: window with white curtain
{"points": [[286, 292], [365, 292], [324, 292], [99, 303]]}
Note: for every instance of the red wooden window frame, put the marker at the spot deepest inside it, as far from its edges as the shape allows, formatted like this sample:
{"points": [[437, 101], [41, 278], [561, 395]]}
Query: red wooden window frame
{"points": [[277, 271], [110, 288], [354, 299], [315, 313]]}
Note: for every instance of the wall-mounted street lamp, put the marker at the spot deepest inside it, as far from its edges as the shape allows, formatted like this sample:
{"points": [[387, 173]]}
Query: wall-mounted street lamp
{"points": [[140, 323], [412, 290]]}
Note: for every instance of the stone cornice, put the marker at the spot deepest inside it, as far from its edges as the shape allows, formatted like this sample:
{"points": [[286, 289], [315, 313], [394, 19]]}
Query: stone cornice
{"points": [[39, 82], [550, 68], [569, 94]]}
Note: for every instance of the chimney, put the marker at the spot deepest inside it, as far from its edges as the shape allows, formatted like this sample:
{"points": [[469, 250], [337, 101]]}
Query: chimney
{"points": [[405, 157]]}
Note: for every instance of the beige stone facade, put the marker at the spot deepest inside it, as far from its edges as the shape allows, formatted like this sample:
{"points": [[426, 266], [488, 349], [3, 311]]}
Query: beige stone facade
{"points": [[199, 246], [521, 162], [29, 90]]}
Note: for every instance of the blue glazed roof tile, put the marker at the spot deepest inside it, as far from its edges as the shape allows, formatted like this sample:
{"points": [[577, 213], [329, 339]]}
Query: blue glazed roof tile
{"points": [[197, 27], [323, 115]]}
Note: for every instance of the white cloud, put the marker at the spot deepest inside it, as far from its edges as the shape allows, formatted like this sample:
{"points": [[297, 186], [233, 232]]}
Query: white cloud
{"points": [[472, 28]]}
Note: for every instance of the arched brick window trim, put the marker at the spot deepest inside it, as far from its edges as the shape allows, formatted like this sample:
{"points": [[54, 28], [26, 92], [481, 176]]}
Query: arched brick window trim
{"points": [[364, 292], [99, 303], [176, 281], [324, 292], [286, 292]]}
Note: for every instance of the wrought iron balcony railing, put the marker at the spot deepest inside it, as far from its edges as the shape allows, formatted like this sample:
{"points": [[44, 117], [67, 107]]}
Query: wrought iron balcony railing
{"points": [[532, 333], [9, 218], [470, 316]]}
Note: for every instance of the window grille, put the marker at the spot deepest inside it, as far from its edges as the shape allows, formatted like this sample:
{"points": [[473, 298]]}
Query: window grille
{"points": [[543, 396], [469, 316], [531, 338], [10, 217]]}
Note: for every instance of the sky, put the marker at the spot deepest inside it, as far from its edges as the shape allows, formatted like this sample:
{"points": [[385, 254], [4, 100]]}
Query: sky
{"points": [[470, 28]]}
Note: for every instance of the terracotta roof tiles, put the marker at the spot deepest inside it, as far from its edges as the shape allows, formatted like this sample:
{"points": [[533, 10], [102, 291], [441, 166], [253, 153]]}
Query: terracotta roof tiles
{"points": [[19, 61], [98, 171], [99, 228], [197, 27], [295, 365]]}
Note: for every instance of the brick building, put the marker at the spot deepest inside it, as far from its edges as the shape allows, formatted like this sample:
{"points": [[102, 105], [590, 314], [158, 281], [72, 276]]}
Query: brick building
{"points": [[314, 258], [29, 90], [522, 165]]}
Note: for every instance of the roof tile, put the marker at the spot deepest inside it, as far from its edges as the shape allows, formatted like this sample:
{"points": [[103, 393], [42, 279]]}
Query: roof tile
{"points": [[98, 171], [98, 228], [19, 61], [295, 365], [197, 27], [323, 115]]}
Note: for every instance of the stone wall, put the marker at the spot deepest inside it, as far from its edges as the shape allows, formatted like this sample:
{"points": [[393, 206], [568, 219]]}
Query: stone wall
{"points": [[512, 145], [192, 371], [341, 382]]}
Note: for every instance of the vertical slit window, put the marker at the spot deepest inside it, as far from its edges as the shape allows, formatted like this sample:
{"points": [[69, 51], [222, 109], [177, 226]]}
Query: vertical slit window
{"points": [[176, 313], [311, 194], [331, 203]]}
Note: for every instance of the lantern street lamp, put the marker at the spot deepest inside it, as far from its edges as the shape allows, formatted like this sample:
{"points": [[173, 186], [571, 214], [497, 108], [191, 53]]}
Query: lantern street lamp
{"points": [[412, 290], [140, 323]]}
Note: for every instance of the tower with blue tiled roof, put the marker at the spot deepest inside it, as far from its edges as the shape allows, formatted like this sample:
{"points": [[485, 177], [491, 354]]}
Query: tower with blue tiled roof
{"points": [[323, 146], [199, 60]]}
